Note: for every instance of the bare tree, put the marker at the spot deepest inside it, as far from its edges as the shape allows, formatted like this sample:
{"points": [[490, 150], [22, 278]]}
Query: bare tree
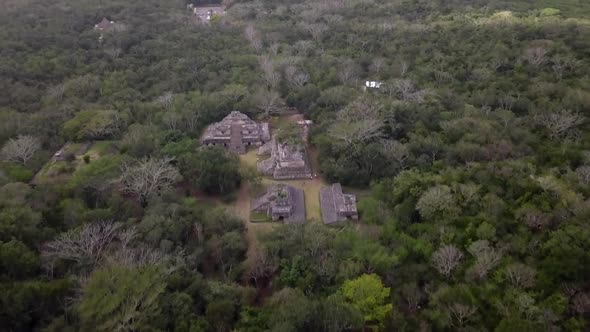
{"points": [[561, 123], [113, 52], [20, 149], [412, 294], [405, 90], [134, 257], [520, 275], [191, 119], [377, 65], [303, 47], [469, 192], [271, 76], [396, 152], [580, 303], [506, 117], [446, 259], [274, 48], [403, 68], [172, 120], [261, 266], [56, 91], [497, 62], [296, 77], [460, 313], [561, 65], [583, 173], [333, 19], [535, 219], [506, 102], [349, 72], [316, 30], [126, 236], [253, 37], [536, 56], [166, 100], [358, 123], [85, 246], [269, 103], [147, 177], [486, 258]]}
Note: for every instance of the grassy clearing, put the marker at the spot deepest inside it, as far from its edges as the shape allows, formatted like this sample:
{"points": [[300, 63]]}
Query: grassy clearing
{"points": [[311, 189], [95, 152], [250, 158], [55, 170], [259, 217]]}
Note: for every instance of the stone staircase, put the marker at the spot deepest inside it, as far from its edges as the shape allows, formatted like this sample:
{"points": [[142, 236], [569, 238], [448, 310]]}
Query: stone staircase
{"points": [[235, 143]]}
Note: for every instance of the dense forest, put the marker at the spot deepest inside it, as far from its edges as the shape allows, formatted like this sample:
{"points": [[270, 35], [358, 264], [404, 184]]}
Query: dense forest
{"points": [[462, 124]]}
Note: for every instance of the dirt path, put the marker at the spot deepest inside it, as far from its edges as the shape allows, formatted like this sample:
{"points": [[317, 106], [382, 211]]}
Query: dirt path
{"points": [[253, 230]]}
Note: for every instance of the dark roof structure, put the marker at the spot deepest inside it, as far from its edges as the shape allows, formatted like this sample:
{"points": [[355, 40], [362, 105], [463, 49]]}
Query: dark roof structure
{"points": [[337, 206]]}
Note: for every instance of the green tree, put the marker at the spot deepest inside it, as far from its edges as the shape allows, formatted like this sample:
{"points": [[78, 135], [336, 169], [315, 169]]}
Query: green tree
{"points": [[16, 260], [213, 170], [87, 125], [121, 299], [367, 294]]}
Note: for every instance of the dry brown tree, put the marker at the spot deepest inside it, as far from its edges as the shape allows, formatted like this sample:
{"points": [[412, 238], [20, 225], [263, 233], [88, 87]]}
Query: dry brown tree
{"points": [[520, 275], [295, 76], [147, 177], [446, 259], [536, 56], [357, 123], [460, 313], [486, 258], [561, 123], [254, 38], [20, 149], [84, 246]]}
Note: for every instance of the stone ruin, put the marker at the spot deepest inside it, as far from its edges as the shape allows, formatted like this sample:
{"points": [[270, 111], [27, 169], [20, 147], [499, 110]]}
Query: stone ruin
{"points": [[236, 132], [205, 13], [336, 206], [285, 162], [305, 126], [281, 202]]}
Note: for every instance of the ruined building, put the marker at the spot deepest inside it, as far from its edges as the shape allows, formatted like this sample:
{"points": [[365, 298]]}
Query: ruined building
{"points": [[281, 202], [336, 206], [236, 132], [285, 162], [104, 25]]}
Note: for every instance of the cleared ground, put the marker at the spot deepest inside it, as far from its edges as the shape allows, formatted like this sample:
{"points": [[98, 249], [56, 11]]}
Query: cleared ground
{"points": [[71, 159]]}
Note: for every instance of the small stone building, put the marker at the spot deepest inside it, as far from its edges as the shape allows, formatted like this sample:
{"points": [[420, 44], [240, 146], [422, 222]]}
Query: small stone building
{"points": [[236, 132], [104, 25], [305, 125], [205, 13], [337, 206], [285, 162], [281, 202], [372, 85]]}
